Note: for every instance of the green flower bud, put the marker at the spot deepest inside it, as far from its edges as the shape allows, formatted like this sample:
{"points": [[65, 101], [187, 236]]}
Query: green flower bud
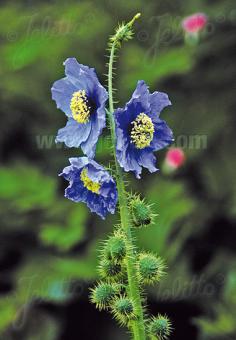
{"points": [[124, 31], [115, 248], [109, 269], [141, 212], [123, 310], [103, 294], [150, 268], [160, 327]]}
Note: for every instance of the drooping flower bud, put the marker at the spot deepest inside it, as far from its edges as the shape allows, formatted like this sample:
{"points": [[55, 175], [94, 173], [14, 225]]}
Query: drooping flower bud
{"points": [[150, 268], [192, 27], [194, 23], [160, 327], [175, 158]]}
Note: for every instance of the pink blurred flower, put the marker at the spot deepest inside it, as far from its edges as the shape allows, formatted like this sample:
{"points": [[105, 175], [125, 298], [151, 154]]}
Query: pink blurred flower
{"points": [[194, 23], [175, 157]]}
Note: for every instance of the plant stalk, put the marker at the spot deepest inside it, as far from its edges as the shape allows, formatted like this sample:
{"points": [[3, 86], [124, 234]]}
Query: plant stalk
{"points": [[137, 325]]}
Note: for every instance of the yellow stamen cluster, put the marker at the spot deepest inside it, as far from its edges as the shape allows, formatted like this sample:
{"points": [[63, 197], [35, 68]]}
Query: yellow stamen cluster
{"points": [[79, 107], [88, 183], [142, 131]]}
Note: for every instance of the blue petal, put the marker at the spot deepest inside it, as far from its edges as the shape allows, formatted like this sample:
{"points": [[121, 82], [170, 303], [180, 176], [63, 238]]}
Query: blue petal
{"points": [[77, 192], [128, 160], [81, 76], [62, 91], [138, 103], [102, 203], [78, 77], [79, 162], [74, 133], [129, 157], [147, 159], [163, 135], [97, 173], [98, 123], [158, 101], [124, 117], [141, 92], [134, 159]]}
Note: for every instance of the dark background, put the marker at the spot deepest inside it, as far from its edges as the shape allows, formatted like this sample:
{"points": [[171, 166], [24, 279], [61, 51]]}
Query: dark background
{"points": [[48, 245]]}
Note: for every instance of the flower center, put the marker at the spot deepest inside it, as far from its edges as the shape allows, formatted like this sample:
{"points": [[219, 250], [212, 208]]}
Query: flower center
{"points": [[79, 106], [88, 183], [142, 131]]}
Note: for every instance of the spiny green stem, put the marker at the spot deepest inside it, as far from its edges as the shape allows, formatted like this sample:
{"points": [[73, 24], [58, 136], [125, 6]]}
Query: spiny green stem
{"points": [[138, 327]]}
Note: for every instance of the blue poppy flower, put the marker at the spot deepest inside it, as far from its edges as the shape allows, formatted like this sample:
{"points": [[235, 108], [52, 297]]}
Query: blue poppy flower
{"points": [[92, 184], [140, 131], [82, 98]]}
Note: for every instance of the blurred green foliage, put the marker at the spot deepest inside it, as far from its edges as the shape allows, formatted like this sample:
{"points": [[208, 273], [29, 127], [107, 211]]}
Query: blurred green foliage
{"points": [[56, 240]]}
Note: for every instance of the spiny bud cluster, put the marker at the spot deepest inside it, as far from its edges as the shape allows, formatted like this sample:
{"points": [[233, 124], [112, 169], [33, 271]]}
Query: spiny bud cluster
{"points": [[159, 327], [123, 310], [112, 257], [109, 269], [111, 292], [115, 248], [103, 293], [150, 268], [142, 214]]}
